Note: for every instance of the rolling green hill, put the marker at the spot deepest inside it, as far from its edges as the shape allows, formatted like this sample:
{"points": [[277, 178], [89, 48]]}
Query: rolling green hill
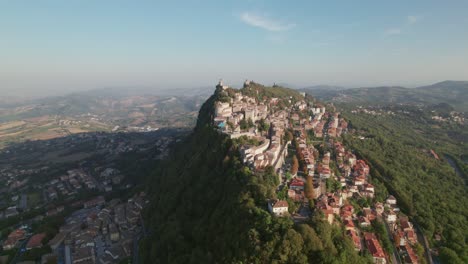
{"points": [[454, 93]]}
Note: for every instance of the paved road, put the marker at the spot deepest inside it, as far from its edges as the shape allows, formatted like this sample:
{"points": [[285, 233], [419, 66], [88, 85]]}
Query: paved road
{"points": [[422, 239], [303, 214], [60, 252], [23, 202], [20, 251], [135, 249], [141, 234]]}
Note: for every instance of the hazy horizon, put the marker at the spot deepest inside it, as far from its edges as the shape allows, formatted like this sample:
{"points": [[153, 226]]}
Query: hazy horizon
{"points": [[55, 48]]}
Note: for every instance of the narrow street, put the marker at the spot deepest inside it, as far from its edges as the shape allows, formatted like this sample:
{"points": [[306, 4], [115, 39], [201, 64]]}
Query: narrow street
{"points": [[395, 256], [21, 250], [422, 239]]}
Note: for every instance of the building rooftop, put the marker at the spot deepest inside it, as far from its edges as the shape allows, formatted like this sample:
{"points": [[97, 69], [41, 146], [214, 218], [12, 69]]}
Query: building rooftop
{"points": [[36, 241]]}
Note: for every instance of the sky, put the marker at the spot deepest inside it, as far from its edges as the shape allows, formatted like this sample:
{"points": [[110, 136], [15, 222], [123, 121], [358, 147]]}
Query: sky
{"points": [[55, 47]]}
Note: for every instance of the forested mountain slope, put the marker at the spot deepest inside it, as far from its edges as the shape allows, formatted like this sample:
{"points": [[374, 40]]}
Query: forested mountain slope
{"points": [[206, 207]]}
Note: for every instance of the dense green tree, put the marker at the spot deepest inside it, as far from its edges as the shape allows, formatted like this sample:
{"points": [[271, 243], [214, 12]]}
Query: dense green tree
{"points": [[294, 165], [449, 256], [263, 126], [309, 188], [288, 136], [243, 124]]}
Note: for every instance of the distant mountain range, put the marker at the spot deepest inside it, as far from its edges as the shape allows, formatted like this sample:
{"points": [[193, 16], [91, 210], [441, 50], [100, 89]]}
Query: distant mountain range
{"points": [[324, 87], [120, 101], [138, 106], [454, 93], [109, 92], [131, 91]]}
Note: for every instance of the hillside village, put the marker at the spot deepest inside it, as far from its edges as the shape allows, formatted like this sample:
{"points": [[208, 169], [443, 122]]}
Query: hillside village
{"points": [[97, 232], [79, 208], [300, 139], [38, 182]]}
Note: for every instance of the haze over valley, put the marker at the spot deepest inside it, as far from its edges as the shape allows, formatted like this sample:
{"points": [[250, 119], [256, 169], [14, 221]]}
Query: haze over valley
{"points": [[233, 132]]}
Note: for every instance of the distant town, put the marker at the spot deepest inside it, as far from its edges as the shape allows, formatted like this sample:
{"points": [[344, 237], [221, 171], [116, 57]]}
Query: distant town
{"points": [[71, 200]]}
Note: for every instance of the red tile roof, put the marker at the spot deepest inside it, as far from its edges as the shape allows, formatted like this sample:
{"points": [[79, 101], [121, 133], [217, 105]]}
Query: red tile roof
{"points": [[411, 255], [404, 223], [411, 236], [373, 245], [35, 241], [280, 203], [348, 223], [296, 183], [355, 238], [17, 234]]}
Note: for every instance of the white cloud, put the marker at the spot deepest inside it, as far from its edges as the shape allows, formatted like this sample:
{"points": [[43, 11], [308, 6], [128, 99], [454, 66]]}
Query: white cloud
{"points": [[392, 31], [265, 22], [413, 19]]}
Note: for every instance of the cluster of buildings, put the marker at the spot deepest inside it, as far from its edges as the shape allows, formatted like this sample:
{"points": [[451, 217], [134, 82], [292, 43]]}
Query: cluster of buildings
{"points": [[356, 186], [316, 122], [336, 126], [405, 237], [22, 238], [17, 179], [322, 122], [240, 108], [356, 226], [453, 117], [272, 150], [16, 196], [15, 238], [240, 115], [9, 212], [374, 112], [109, 177], [349, 174], [354, 173], [296, 190], [101, 232], [76, 180], [403, 232], [307, 154], [69, 184], [353, 184]]}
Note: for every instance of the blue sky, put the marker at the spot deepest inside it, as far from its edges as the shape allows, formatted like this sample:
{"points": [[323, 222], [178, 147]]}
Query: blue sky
{"points": [[61, 46]]}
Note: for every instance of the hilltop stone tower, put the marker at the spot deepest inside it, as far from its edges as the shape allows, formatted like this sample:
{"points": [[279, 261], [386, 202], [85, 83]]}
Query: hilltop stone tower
{"points": [[246, 83], [221, 86]]}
